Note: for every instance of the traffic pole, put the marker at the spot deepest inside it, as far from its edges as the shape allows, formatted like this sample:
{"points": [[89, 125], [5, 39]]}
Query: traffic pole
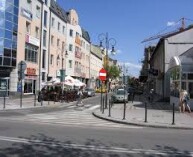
{"points": [[173, 118]]}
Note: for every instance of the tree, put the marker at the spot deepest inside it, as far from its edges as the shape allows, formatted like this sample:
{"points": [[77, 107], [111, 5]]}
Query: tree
{"points": [[113, 72]]}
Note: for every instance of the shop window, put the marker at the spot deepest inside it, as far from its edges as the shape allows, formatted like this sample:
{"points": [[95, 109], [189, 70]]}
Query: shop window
{"points": [[28, 86]]}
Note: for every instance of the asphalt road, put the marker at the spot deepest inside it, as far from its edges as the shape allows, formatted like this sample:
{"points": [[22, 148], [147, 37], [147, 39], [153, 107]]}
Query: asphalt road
{"points": [[74, 132]]}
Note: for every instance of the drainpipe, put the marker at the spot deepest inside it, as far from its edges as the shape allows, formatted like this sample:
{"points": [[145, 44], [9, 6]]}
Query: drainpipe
{"points": [[40, 55], [49, 46]]}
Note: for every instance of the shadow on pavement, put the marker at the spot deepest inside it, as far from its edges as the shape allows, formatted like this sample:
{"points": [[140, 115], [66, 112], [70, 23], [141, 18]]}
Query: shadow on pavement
{"points": [[44, 146]]}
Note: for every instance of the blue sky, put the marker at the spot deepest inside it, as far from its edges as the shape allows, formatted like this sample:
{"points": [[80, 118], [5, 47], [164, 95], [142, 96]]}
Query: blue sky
{"points": [[129, 22]]}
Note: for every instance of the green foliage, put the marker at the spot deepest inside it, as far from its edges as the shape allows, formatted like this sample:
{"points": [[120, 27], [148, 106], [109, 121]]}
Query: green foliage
{"points": [[113, 71]]}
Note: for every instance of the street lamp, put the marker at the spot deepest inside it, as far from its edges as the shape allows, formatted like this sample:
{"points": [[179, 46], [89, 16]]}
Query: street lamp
{"points": [[108, 42]]}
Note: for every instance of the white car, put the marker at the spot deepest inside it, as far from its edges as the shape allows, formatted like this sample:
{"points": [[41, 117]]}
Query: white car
{"points": [[120, 95]]}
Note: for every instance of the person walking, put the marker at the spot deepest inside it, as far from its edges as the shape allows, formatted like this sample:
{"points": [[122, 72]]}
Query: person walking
{"points": [[181, 103], [185, 101], [79, 96]]}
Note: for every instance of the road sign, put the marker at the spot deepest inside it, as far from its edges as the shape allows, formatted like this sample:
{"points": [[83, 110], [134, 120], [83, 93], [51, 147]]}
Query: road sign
{"points": [[102, 74], [22, 66]]}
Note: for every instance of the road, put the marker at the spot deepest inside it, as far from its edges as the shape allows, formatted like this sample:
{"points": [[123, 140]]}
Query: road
{"points": [[74, 132]]}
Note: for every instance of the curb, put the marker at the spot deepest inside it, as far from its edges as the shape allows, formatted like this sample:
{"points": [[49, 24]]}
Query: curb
{"points": [[140, 124]]}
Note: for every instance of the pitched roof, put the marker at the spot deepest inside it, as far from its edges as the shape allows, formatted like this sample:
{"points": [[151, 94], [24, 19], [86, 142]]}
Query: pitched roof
{"points": [[55, 8], [85, 35]]}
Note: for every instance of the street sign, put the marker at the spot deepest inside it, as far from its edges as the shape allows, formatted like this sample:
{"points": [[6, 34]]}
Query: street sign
{"points": [[22, 66], [102, 74]]}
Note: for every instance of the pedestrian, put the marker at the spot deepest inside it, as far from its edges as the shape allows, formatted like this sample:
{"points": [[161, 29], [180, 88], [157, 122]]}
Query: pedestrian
{"points": [[185, 100], [181, 104], [151, 94], [79, 96]]}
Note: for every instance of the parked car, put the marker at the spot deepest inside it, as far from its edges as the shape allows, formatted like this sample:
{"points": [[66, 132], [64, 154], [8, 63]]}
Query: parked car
{"points": [[89, 91], [120, 95]]}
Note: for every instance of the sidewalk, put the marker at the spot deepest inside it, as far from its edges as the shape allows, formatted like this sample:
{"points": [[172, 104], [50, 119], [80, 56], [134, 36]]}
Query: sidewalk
{"points": [[159, 115], [29, 102]]}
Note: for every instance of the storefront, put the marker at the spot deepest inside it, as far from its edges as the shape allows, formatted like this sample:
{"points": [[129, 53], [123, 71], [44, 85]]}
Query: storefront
{"points": [[181, 76], [30, 81]]}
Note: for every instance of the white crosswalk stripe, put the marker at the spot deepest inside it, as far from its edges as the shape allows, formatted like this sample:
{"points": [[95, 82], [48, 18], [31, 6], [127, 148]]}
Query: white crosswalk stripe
{"points": [[76, 116]]}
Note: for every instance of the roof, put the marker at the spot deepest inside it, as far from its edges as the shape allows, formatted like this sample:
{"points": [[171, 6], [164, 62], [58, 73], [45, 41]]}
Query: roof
{"points": [[168, 36], [184, 60], [85, 35], [55, 8]]}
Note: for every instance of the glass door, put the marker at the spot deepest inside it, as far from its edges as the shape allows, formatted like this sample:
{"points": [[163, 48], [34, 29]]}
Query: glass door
{"points": [[4, 86]]}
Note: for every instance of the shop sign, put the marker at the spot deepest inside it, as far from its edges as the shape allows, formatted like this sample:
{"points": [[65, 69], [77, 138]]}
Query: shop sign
{"points": [[26, 13], [31, 71], [32, 40]]}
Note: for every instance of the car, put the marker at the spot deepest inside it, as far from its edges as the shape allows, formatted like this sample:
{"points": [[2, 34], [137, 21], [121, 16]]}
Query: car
{"points": [[90, 92], [120, 95]]}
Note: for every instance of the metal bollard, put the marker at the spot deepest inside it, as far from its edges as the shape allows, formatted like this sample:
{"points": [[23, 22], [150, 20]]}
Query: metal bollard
{"points": [[103, 105], [173, 119], [41, 100], [145, 112], [4, 101], [34, 99], [109, 107], [124, 110]]}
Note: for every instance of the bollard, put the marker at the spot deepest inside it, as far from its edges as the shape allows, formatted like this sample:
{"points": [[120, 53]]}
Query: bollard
{"points": [[4, 101], [109, 107], [34, 99], [42, 100], [103, 105], [106, 101], [173, 119], [145, 112], [124, 110]]}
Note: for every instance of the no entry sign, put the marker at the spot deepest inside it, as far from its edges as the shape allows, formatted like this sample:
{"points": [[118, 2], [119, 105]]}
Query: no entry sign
{"points": [[102, 74]]}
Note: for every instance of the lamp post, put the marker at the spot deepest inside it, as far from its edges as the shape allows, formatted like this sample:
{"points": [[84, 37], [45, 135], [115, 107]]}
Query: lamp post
{"points": [[108, 42]]}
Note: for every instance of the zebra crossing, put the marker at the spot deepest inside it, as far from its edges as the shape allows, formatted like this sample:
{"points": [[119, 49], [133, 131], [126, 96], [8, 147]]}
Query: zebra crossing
{"points": [[80, 116]]}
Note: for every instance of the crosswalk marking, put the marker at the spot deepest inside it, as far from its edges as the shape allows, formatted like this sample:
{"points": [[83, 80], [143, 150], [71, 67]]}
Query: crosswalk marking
{"points": [[70, 117]]}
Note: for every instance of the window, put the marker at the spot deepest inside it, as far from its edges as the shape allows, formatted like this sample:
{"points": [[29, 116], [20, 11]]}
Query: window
{"points": [[37, 11], [37, 32], [52, 40], [31, 53], [46, 2], [43, 76], [63, 30], [71, 33], [70, 47], [70, 63], [53, 22], [59, 26], [45, 18], [51, 59], [44, 38], [44, 59], [58, 42], [28, 86], [27, 27]]}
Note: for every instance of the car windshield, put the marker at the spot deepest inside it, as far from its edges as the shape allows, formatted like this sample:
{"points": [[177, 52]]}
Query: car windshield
{"points": [[88, 89], [120, 92]]}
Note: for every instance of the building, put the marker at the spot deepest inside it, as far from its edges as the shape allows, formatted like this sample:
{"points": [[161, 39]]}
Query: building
{"points": [[173, 44], [96, 63]]}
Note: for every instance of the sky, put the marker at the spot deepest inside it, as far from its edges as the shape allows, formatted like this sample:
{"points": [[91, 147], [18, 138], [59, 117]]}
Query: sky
{"points": [[129, 22]]}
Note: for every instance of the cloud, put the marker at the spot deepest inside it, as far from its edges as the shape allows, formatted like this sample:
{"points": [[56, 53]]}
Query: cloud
{"points": [[131, 68], [171, 23]]}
